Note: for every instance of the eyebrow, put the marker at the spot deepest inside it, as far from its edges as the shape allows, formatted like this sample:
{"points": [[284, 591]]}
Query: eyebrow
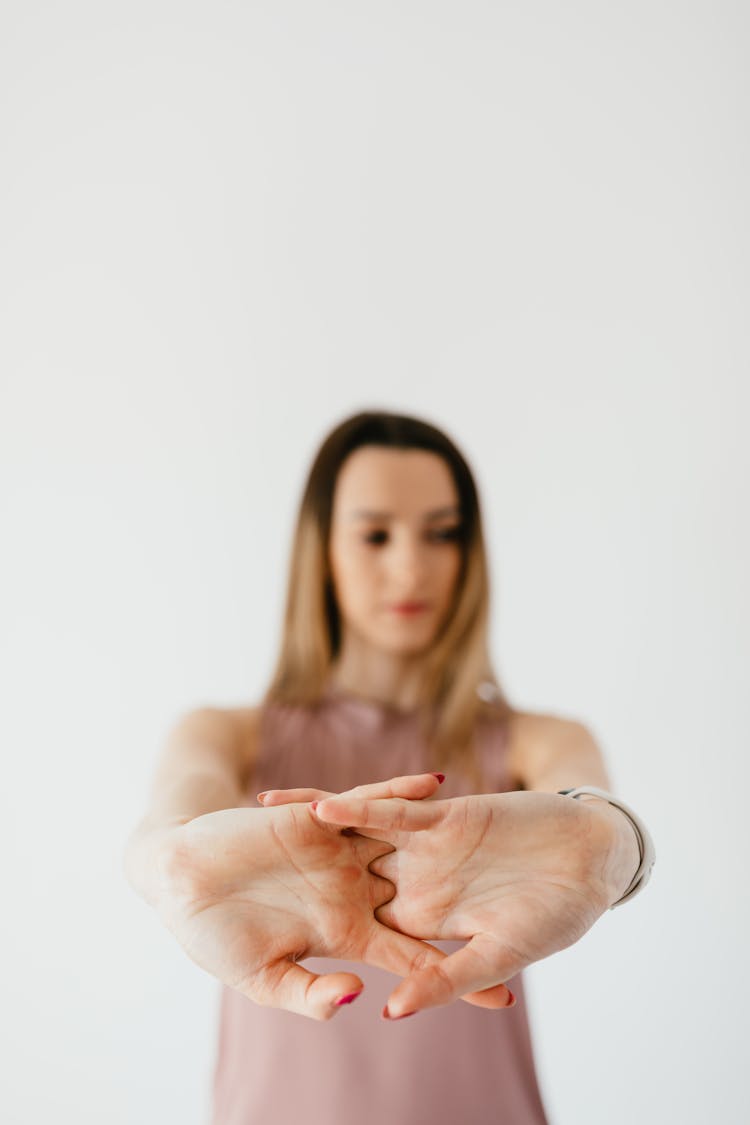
{"points": [[435, 514]]}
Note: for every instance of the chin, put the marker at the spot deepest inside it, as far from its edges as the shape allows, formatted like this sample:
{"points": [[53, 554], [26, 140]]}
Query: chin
{"points": [[405, 646]]}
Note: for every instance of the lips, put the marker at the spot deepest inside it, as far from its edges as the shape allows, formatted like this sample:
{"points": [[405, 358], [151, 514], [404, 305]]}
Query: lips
{"points": [[408, 609]]}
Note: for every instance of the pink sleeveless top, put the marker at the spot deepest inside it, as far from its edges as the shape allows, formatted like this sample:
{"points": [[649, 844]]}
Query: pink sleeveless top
{"points": [[456, 1063]]}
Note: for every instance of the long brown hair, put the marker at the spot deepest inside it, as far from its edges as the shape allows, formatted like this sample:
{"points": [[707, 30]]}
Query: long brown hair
{"points": [[458, 684]]}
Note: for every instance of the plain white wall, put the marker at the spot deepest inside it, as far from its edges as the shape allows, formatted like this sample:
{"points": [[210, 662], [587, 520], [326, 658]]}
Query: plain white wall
{"points": [[225, 226]]}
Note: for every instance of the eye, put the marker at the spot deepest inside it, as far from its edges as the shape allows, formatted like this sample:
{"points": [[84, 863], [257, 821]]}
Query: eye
{"points": [[441, 535], [448, 534], [377, 538]]}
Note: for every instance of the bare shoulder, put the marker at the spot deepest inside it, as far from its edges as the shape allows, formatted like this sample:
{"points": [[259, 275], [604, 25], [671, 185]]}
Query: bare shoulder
{"points": [[536, 725], [246, 721], [231, 732], [534, 737]]}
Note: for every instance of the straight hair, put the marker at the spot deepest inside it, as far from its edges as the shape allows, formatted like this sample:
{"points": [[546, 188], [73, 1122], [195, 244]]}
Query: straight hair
{"points": [[458, 684]]}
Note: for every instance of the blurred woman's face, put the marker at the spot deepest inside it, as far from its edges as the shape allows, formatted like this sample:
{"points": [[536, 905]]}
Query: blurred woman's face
{"points": [[394, 550]]}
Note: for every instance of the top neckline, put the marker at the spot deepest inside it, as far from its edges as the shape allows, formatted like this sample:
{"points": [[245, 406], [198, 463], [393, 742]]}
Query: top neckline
{"points": [[367, 706]]}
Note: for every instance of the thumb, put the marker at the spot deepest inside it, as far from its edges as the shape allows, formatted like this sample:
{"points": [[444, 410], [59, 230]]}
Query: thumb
{"points": [[481, 964]]}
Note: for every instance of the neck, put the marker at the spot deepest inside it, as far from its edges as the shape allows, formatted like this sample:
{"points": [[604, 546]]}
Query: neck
{"points": [[383, 677]]}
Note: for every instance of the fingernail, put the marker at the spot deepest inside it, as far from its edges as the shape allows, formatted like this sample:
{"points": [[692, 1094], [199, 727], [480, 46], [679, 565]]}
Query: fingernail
{"points": [[314, 805], [262, 796], [349, 997], [512, 1000], [440, 777], [387, 1015]]}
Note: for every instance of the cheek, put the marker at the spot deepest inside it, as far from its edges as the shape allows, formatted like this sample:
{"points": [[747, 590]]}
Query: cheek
{"points": [[354, 578], [449, 572]]}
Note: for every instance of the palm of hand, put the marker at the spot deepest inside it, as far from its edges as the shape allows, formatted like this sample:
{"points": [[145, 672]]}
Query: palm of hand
{"points": [[252, 891], [513, 873], [520, 875]]}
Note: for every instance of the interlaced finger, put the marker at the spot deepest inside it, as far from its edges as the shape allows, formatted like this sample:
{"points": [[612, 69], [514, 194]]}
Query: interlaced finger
{"points": [[413, 787], [481, 964], [290, 986], [411, 958], [387, 815]]}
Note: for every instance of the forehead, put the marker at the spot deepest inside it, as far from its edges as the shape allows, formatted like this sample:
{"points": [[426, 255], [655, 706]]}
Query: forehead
{"points": [[398, 481]]}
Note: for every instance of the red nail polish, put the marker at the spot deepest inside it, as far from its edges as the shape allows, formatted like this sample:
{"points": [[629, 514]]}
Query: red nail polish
{"points": [[314, 805], [349, 997], [440, 777], [512, 1000]]}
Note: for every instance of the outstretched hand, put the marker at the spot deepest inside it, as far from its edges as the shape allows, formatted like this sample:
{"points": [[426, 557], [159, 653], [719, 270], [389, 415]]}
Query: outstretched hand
{"points": [[517, 875], [249, 893]]}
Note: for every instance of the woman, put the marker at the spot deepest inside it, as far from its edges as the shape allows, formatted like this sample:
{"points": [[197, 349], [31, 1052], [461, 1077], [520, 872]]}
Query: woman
{"points": [[383, 685]]}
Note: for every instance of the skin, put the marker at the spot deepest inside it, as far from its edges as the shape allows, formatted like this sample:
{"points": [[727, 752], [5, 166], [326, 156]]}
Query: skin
{"points": [[408, 552], [250, 892], [517, 875]]}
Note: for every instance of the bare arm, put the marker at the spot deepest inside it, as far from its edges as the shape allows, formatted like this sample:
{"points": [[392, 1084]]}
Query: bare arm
{"points": [[204, 767]]}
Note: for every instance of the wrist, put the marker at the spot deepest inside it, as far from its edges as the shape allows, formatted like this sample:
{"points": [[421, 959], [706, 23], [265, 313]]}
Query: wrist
{"points": [[143, 857], [623, 855], [617, 849]]}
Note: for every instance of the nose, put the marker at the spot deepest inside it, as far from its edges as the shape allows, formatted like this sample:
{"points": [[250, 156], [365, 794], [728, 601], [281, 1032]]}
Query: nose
{"points": [[407, 563]]}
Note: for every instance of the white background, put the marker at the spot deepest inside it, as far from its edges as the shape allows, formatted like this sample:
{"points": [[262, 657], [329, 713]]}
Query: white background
{"points": [[224, 227]]}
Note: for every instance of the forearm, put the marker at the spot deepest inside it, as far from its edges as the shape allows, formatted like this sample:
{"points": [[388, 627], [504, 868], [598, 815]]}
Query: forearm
{"points": [[199, 789], [195, 793], [199, 772]]}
